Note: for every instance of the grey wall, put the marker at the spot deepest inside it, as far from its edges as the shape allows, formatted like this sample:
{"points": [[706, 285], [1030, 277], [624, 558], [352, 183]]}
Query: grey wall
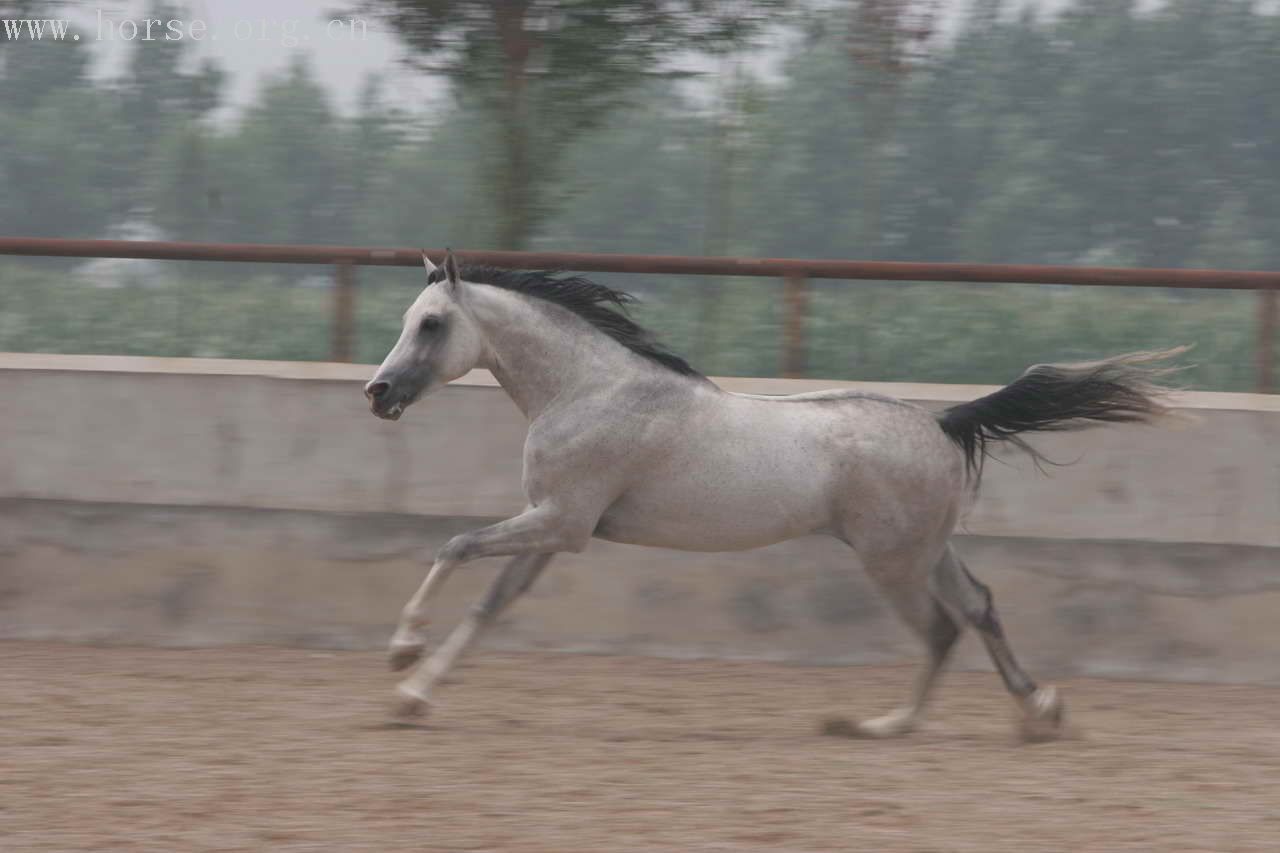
{"points": [[193, 502]]}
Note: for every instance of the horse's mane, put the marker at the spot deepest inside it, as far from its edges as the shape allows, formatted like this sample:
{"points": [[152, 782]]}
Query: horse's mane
{"points": [[601, 306]]}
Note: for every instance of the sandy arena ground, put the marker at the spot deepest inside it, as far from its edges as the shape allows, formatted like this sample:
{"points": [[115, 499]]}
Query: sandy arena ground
{"points": [[268, 749]]}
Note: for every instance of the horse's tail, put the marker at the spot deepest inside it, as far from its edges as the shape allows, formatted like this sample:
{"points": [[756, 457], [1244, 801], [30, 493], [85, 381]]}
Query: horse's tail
{"points": [[1050, 397]]}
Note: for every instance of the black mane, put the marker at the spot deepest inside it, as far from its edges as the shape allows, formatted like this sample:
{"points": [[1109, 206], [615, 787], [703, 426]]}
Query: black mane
{"points": [[602, 307]]}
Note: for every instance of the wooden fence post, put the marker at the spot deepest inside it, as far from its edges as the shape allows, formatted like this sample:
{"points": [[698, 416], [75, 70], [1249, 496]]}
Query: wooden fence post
{"points": [[1265, 345], [794, 345], [342, 344]]}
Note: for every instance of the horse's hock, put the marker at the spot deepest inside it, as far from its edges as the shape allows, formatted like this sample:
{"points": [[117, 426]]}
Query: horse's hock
{"points": [[191, 502]]}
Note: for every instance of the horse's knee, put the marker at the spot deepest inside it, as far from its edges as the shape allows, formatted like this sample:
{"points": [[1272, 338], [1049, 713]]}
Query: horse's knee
{"points": [[458, 549]]}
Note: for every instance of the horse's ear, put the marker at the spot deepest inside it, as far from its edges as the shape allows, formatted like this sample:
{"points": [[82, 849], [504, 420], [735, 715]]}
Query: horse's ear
{"points": [[450, 268], [426, 262]]}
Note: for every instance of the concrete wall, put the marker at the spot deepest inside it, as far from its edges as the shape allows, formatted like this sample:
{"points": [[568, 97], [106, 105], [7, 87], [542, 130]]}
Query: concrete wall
{"points": [[190, 502]]}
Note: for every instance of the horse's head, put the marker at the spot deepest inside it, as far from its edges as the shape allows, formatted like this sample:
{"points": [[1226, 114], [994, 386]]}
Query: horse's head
{"points": [[440, 342]]}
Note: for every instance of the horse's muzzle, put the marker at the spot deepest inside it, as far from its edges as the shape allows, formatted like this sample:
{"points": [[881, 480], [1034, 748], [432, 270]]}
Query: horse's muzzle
{"points": [[380, 400]]}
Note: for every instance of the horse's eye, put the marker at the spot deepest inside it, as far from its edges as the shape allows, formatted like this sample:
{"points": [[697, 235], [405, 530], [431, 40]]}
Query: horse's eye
{"points": [[429, 324]]}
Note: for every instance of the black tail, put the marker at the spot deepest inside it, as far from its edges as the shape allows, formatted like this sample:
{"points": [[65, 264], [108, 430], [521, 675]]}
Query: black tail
{"points": [[1051, 397]]}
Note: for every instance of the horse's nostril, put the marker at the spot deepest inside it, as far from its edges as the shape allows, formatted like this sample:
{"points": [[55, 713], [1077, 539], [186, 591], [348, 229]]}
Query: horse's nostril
{"points": [[375, 390]]}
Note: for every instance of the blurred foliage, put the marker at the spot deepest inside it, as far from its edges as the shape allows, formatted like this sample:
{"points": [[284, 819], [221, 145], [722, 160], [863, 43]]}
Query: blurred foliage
{"points": [[1102, 135], [544, 73], [259, 314], [872, 331]]}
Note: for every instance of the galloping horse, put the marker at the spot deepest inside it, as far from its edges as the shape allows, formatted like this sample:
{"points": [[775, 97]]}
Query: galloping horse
{"points": [[628, 443]]}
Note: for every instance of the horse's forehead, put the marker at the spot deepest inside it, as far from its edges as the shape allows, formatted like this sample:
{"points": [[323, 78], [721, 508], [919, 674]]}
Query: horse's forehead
{"points": [[432, 298]]}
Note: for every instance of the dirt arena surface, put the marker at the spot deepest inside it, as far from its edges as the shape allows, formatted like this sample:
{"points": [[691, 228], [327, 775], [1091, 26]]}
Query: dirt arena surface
{"points": [[269, 749]]}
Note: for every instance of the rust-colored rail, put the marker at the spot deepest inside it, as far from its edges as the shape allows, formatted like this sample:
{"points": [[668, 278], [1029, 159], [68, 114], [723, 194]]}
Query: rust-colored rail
{"points": [[670, 264], [794, 271]]}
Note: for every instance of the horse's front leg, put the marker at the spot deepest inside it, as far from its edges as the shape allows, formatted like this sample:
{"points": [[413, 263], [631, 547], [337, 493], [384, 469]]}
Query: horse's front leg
{"points": [[538, 530], [512, 582]]}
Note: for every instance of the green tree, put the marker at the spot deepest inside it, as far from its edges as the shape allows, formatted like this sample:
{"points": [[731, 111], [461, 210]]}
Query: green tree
{"points": [[56, 164], [159, 99], [376, 133], [545, 73], [284, 169]]}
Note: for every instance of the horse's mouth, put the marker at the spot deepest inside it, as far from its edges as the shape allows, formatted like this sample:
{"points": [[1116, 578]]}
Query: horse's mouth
{"points": [[391, 413]]}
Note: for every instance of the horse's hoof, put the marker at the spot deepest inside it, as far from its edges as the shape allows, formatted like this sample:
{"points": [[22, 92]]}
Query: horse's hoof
{"points": [[894, 724], [1043, 716], [403, 655], [409, 707]]}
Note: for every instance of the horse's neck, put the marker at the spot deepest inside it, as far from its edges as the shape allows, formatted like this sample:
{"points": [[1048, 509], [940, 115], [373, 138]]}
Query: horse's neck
{"points": [[538, 353]]}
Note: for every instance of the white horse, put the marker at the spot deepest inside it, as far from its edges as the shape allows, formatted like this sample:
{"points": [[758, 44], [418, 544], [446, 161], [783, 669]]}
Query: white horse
{"points": [[628, 443]]}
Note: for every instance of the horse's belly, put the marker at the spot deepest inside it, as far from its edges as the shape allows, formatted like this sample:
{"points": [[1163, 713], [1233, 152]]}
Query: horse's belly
{"points": [[711, 522]]}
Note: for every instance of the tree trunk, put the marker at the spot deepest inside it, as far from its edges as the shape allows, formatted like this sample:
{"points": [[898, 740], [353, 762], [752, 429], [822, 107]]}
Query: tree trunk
{"points": [[715, 242], [514, 189]]}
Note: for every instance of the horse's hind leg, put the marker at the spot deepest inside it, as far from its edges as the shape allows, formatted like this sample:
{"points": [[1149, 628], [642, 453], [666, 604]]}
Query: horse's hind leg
{"points": [[940, 632], [903, 578], [969, 599]]}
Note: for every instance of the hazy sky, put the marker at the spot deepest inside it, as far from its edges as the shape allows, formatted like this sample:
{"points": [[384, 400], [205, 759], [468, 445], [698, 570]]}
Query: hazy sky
{"points": [[250, 38]]}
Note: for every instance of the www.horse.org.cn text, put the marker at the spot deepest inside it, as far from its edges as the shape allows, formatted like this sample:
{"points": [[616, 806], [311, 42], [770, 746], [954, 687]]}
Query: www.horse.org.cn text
{"points": [[284, 32]]}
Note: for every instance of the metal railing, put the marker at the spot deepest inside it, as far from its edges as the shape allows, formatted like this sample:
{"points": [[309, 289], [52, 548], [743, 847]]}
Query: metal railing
{"points": [[794, 272]]}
